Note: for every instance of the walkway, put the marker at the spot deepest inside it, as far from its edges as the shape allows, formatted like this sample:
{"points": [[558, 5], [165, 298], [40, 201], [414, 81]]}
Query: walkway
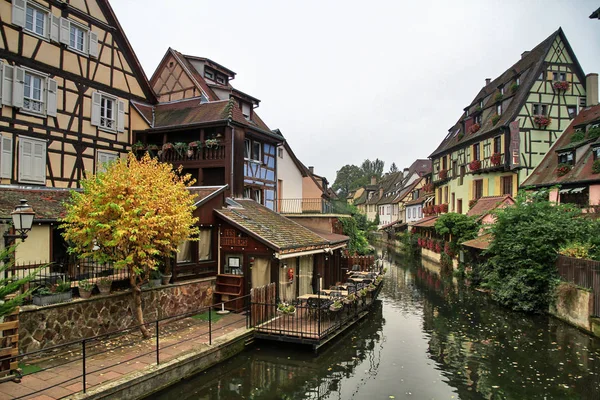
{"points": [[108, 360]]}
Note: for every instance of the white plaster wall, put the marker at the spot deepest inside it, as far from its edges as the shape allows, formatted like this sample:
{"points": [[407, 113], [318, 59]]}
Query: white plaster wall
{"points": [[409, 217], [289, 173]]}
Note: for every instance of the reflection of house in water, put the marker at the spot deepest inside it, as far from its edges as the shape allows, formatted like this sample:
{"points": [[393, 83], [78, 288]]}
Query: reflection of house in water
{"points": [[297, 375]]}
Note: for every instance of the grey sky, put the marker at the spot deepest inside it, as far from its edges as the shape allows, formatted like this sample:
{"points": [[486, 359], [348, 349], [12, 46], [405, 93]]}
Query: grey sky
{"points": [[349, 80]]}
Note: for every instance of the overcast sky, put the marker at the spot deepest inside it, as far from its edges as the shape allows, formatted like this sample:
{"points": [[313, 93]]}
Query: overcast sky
{"points": [[350, 80]]}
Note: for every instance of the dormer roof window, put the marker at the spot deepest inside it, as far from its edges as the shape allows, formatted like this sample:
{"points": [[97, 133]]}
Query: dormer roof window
{"points": [[566, 158], [221, 79], [208, 74], [596, 152]]}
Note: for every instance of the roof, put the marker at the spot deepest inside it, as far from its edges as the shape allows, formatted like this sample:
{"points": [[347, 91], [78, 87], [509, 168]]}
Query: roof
{"points": [[528, 69], [595, 14], [275, 230], [301, 167], [481, 242], [47, 203], [486, 204], [332, 238], [420, 200], [426, 222], [545, 173], [421, 166], [205, 193]]}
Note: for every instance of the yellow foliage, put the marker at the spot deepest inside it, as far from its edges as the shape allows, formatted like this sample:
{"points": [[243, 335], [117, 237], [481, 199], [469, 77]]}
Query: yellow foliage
{"points": [[136, 212]]}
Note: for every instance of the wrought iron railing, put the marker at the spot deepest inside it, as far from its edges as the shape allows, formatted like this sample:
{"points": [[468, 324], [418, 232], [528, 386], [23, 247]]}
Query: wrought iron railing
{"points": [[312, 206], [193, 154]]}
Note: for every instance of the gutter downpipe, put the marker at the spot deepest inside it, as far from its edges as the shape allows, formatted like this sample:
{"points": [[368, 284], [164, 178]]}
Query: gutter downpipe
{"points": [[232, 155]]}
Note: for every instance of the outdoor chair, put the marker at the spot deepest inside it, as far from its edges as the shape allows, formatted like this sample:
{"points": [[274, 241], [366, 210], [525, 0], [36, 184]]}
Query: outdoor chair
{"points": [[356, 267]]}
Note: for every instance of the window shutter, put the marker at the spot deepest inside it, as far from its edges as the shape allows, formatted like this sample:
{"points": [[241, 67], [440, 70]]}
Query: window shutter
{"points": [[1, 79], [5, 157], [18, 87], [121, 116], [65, 31], [25, 159], [96, 100], [51, 103], [93, 44], [18, 13], [54, 28], [7, 84], [39, 162]]}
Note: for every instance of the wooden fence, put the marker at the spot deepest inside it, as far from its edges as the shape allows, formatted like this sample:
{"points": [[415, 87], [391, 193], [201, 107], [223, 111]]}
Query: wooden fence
{"points": [[260, 298], [9, 342], [582, 272]]}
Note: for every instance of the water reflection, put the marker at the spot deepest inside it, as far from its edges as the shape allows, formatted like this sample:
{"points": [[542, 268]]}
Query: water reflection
{"points": [[428, 338]]}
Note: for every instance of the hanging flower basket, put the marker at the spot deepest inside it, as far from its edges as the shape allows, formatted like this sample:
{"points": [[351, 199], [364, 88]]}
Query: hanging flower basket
{"points": [[443, 173], [444, 208], [428, 188], [563, 169], [561, 85], [474, 128], [496, 159], [475, 165], [542, 120]]}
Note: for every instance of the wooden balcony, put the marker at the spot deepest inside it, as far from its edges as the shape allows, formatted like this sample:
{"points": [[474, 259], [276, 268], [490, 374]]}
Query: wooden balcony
{"points": [[487, 165], [201, 154]]}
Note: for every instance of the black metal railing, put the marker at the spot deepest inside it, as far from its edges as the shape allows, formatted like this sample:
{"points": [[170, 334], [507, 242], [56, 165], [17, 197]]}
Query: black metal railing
{"points": [[80, 351], [312, 206]]}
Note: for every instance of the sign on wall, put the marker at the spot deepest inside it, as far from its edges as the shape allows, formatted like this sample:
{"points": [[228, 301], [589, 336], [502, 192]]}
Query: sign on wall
{"points": [[515, 145]]}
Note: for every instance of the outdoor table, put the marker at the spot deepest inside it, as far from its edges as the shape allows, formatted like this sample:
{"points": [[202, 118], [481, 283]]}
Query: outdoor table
{"points": [[313, 296], [328, 291]]}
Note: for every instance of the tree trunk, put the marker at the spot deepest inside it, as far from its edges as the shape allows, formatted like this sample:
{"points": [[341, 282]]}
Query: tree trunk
{"points": [[137, 304]]}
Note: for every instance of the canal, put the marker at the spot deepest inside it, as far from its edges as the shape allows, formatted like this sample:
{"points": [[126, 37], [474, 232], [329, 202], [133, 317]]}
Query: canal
{"points": [[426, 339]]}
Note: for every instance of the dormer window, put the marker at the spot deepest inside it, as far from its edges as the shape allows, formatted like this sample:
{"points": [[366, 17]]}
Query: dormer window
{"points": [[559, 76], [499, 108], [540, 109], [478, 119], [246, 110], [221, 79], [596, 152], [481, 104], [502, 90], [467, 112], [518, 81], [208, 74], [567, 158]]}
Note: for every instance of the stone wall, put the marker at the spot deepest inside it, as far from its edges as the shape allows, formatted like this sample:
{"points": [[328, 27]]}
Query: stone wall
{"points": [[575, 308], [41, 327]]}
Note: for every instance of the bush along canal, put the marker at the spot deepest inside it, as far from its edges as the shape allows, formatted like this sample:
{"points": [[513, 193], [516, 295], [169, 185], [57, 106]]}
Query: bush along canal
{"points": [[427, 338]]}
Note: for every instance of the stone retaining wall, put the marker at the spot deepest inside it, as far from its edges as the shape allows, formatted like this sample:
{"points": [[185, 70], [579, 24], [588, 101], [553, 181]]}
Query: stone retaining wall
{"points": [[575, 310], [42, 327]]}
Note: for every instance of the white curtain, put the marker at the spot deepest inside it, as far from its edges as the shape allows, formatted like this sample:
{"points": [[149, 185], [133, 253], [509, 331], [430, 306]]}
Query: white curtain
{"points": [[287, 288], [204, 245], [184, 253], [306, 273], [261, 272]]}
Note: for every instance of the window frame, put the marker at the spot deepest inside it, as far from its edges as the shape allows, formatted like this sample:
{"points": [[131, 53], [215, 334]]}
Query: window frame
{"points": [[103, 99], [504, 185], [499, 108], [42, 100], [542, 109], [476, 151], [477, 184], [85, 31], [99, 166], [247, 149], [498, 140], [209, 74], [38, 9], [568, 158], [256, 157]]}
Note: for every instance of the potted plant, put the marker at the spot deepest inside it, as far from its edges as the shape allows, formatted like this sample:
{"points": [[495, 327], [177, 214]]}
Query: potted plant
{"points": [[495, 119], [166, 272], [138, 146], [85, 288], [475, 165], [514, 87], [542, 120], [498, 97], [478, 108], [336, 306], [211, 143], [443, 173], [474, 128], [561, 85], [152, 147], [104, 285], [155, 278], [371, 288], [563, 169], [57, 293], [181, 148], [286, 309], [363, 292], [167, 146], [351, 298], [496, 159], [460, 136]]}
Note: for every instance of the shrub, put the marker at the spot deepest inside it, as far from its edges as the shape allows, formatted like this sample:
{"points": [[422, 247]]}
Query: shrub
{"points": [[596, 166], [495, 119], [498, 97], [575, 249], [593, 133], [514, 87], [577, 137]]}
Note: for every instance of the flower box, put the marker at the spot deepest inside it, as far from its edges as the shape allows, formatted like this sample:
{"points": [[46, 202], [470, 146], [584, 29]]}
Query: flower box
{"points": [[474, 128], [563, 169], [54, 298], [496, 158], [542, 120], [443, 173], [561, 85], [475, 165], [444, 208], [428, 188]]}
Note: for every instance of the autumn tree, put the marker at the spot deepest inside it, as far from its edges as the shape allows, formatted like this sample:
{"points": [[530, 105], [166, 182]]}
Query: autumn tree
{"points": [[134, 215]]}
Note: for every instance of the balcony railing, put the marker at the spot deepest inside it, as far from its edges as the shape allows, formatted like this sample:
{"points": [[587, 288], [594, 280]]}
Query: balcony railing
{"points": [[199, 154], [486, 164], [312, 206]]}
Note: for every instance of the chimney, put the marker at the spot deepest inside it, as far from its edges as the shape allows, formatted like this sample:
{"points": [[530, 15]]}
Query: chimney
{"points": [[591, 90], [524, 54], [405, 172], [487, 81], [381, 192], [311, 170], [373, 180]]}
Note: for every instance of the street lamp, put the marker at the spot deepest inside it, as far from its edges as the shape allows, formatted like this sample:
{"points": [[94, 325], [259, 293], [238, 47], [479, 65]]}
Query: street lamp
{"points": [[22, 219]]}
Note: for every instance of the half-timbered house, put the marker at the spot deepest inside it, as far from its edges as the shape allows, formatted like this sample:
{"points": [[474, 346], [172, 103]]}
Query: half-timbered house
{"points": [[68, 77], [507, 129]]}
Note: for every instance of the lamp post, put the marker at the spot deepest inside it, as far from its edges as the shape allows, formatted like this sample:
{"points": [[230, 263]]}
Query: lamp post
{"points": [[22, 219]]}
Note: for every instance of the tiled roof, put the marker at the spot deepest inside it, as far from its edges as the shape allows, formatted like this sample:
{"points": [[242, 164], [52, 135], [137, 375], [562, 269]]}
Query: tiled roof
{"points": [[426, 222], [204, 193], [47, 203], [481, 242], [144, 109], [545, 173], [486, 204], [527, 68], [273, 229], [332, 238], [421, 166], [191, 111]]}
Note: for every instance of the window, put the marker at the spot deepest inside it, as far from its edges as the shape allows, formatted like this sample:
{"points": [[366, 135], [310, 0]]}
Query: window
{"points": [[478, 119], [499, 108], [33, 93], [453, 202], [77, 38], [459, 206], [507, 185], [498, 144], [246, 110], [477, 189], [567, 158], [462, 175], [32, 160], [247, 148], [208, 74], [35, 20], [257, 195], [596, 152], [559, 76], [221, 79], [444, 163], [476, 151], [108, 112], [518, 81], [582, 102], [256, 151], [572, 110], [454, 169], [540, 109], [502, 90], [467, 112], [446, 194], [104, 159], [280, 152], [541, 77], [481, 104]]}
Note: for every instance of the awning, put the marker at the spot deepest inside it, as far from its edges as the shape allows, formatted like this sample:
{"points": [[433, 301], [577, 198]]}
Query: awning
{"points": [[578, 190], [300, 253], [563, 191]]}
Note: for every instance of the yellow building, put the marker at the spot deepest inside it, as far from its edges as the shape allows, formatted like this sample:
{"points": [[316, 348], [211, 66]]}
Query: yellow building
{"points": [[506, 130], [69, 78]]}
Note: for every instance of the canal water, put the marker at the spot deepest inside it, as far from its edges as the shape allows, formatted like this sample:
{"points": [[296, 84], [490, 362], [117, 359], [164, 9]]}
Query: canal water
{"points": [[426, 339]]}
